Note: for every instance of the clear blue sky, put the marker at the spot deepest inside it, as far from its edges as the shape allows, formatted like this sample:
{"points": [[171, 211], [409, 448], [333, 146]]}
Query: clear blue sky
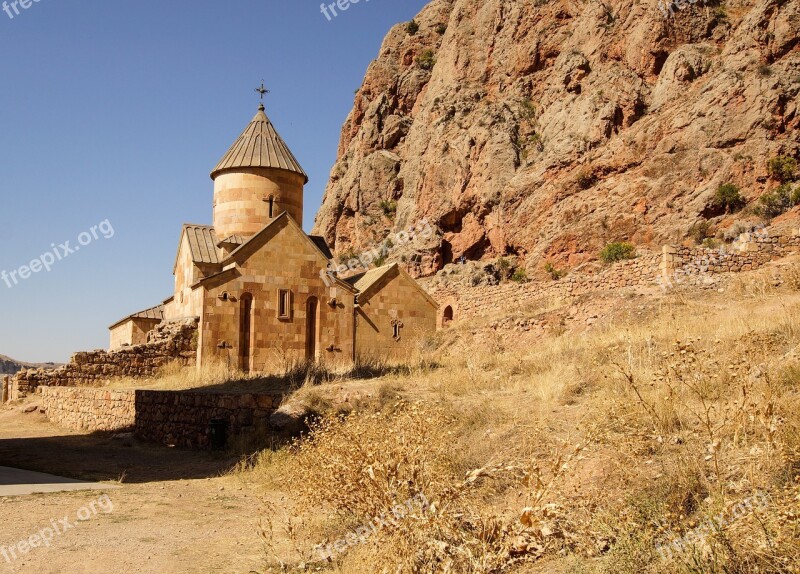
{"points": [[118, 110]]}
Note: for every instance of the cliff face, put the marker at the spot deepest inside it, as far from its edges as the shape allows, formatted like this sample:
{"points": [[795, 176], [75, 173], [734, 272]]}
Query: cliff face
{"points": [[547, 128]]}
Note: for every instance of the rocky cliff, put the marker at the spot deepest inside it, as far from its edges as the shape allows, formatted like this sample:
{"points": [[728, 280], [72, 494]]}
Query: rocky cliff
{"points": [[546, 129]]}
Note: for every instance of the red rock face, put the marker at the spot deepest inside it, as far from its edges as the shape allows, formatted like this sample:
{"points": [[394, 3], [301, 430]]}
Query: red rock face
{"points": [[547, 131]]}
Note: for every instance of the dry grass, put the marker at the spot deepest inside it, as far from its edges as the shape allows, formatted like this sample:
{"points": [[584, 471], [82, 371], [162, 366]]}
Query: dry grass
{"points": [[581, 453]]}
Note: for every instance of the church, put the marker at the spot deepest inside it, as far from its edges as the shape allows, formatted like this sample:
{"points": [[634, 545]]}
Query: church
{"points": [[262, 290]]}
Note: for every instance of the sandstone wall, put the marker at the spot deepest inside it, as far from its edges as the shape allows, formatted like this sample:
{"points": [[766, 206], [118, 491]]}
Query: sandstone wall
{"points": [[169, 342], [179, 418], [90, 409]]}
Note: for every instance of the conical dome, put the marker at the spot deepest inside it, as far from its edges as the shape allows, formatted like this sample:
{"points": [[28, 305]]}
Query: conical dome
{"points": [[259, 146]]}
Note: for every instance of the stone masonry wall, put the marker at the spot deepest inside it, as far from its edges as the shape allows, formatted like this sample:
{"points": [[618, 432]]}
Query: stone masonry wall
{"points": [[179, 418], [90, 409], [168, 342], [182, 419], [675, 265]]}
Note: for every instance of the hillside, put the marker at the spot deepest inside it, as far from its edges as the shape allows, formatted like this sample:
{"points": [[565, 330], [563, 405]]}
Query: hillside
{"points": [[547, 129], [9, 366]]}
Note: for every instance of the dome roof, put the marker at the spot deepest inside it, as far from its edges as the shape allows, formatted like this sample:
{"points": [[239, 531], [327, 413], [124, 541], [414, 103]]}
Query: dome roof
{"points": [[259, 146]]}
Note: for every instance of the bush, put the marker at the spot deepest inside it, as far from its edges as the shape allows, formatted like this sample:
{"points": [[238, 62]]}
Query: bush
{"points": [[425, 60], [618, 251], [412, 27], [441, 29], [774, 203], [699, 231], [729, 197], [520, 276], [556, 274], [782, 168], [504, 266], [389, 208]]}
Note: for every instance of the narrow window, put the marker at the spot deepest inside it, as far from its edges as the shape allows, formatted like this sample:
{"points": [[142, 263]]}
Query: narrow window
{"points": [[284, 304], [271, 206]]}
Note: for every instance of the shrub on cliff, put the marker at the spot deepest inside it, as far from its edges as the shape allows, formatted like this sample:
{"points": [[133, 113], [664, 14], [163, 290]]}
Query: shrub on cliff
{"points": [[783, 168], [729, 197], [618, 251]]}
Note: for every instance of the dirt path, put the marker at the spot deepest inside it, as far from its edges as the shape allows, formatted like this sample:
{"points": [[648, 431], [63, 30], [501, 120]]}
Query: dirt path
{"points": [[174, 515]]}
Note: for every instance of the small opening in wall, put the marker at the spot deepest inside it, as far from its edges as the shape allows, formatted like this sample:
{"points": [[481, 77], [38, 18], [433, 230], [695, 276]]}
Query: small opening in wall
{"points": [[224, 296], [271, 207]]}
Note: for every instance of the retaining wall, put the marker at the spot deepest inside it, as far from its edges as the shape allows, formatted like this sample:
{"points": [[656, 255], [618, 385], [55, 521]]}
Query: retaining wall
{"points": [[179, 418]]}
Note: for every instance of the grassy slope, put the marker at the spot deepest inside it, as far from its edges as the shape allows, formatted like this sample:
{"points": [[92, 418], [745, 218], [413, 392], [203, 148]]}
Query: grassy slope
{"points": [[546, 445]]}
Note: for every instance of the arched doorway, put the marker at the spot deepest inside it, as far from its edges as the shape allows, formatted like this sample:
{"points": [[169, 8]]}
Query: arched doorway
{"points": [[245, 332], [447, 316], [312, 309]]}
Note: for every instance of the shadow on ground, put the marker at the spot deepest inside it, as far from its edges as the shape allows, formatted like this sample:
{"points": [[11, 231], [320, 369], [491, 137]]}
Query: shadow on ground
{"points": [[99, 457]]}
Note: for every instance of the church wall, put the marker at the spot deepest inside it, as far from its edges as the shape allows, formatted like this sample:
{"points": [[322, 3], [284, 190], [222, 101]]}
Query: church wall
{"points": [[241, 199], [121, 335], [286, 261], [131, 332], [187, 302], [395, 298]]}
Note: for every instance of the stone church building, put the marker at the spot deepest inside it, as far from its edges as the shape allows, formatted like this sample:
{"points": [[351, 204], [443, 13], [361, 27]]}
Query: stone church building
{"points": [[258, 285]]}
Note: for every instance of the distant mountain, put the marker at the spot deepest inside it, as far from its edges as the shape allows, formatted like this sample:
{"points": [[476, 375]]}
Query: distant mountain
{"points": [[9, 366]]}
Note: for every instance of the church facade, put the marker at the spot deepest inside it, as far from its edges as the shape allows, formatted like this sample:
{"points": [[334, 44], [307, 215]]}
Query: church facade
{"points": [[262, 290]]}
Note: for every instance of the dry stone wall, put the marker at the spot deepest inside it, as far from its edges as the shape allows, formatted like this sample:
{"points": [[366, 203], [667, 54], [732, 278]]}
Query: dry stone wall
{"points": [[182, 419], [168, 342], [179, 418], [674, 266], [90, 409]]}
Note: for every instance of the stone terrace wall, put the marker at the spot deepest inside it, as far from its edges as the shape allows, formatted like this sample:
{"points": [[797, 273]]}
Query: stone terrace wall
{"points": [[182, 418], [169, 342], [675, 265], [90, 409], [477, 301], [178, 418]]}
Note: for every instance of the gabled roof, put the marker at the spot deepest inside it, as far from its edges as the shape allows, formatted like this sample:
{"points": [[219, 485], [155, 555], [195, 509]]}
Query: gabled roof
{"points": [[259, 146], [153, 313], [263, 236], [322, 245], [364, 282], [202, 244]]}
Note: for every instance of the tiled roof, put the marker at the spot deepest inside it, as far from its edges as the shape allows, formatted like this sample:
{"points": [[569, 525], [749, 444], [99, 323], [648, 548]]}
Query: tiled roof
{"points": [[233, 240], [259, 146], [202, 243], [155, 313]]}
